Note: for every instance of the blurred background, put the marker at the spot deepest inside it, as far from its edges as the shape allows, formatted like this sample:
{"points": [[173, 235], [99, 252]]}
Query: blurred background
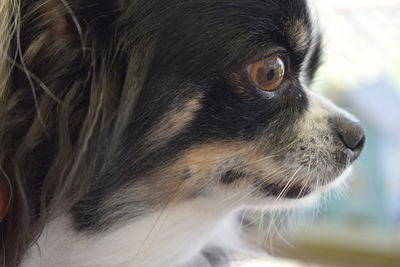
{"points": [[361, 72]]}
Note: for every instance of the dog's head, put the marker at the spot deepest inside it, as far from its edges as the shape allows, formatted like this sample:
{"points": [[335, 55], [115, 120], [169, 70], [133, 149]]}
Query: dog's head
{"points": [[224, 110], [120, 107]]}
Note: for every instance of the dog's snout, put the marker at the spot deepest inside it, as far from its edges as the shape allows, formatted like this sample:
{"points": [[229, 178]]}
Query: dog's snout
{"points": [[352, 134]]}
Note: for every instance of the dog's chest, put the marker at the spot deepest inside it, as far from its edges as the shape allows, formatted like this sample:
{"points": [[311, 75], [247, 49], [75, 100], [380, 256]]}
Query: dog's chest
{"points": [[167, 238]]}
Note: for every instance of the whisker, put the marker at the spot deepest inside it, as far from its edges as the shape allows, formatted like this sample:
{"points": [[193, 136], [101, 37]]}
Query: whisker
{"points": [[287, 186]]}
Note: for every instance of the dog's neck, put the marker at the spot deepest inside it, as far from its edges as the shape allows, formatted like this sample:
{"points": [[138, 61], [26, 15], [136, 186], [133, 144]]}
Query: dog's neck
{"points": [[169, 237]]}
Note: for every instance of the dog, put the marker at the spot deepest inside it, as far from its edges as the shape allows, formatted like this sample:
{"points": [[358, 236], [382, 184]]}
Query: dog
{"points": [[133, 133]]}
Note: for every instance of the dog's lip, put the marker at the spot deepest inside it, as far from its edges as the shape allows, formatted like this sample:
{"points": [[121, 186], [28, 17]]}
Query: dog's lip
{"points": [[292, 192]]}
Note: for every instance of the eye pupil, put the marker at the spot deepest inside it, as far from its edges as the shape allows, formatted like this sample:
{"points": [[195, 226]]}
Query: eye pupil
{"points": [[271, 75]]}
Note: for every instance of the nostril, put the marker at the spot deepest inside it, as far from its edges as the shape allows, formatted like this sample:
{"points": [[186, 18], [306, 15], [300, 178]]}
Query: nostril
{"points": [[351, 134], [360, 144], [352, 140]]}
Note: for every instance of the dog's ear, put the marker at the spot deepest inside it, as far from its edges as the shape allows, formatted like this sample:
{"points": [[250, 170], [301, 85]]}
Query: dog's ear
{"points": [[75, 20], [60, 88]]}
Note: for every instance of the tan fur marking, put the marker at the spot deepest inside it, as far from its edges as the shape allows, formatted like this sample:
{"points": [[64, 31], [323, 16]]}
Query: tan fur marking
{"points": [[299, 35], [174, 122], [203, 162], [169, 186]]}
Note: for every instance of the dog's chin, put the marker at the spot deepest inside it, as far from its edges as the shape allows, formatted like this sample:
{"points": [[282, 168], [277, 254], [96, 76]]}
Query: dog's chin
{"points": [[300, 196], [335, 183]]}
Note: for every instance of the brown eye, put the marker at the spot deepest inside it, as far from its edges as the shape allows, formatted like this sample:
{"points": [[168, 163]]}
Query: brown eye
{"points": [[268, 73]]}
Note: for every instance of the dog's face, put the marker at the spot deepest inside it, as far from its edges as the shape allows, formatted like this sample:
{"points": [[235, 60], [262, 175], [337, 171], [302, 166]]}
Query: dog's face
{"points": [[225, 111]]}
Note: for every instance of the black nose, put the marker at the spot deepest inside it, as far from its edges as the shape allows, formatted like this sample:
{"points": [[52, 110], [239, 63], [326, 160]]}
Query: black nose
{"points": [[352, 134]]}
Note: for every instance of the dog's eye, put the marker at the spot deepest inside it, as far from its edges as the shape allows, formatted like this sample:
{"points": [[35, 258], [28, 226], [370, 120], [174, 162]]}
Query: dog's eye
{"points": [[268, 73]]}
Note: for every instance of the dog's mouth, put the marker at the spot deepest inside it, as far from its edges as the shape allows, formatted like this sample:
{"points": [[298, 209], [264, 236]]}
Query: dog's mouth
{"points": [[300, 190], [295, 191]]}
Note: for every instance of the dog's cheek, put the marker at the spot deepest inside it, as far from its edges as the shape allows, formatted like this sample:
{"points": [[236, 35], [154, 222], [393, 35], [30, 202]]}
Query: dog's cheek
{"points": [[203, 166], [203, 170], [195, 173], [224, 170]]}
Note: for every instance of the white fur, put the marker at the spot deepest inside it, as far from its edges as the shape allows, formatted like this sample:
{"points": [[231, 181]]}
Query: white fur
{"points": [[166, 238], [169, 237]]}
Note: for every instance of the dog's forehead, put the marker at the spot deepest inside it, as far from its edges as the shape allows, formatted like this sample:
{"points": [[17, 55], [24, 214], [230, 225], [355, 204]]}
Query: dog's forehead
{"points": [[219, 33]]}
